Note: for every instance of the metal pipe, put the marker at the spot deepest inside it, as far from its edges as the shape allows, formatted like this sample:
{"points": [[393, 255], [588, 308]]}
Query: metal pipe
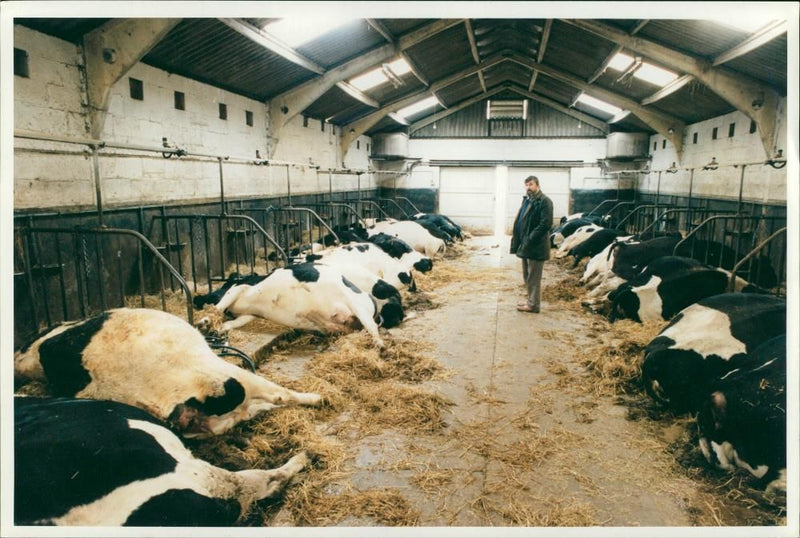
{"points": [[741, 187], [288, 186], [221, 189], [750, 255], [97, 185]]}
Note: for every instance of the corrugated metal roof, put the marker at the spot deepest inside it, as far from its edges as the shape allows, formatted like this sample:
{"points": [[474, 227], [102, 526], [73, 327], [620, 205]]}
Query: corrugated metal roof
{"points": [[461, 90], [209, 51], [347, 42], [767, 63], [71, 30], [443, 54], [575, 51]]}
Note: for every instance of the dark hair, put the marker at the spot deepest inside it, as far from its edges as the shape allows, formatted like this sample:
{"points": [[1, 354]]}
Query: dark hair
{"points": [[532, 178]]}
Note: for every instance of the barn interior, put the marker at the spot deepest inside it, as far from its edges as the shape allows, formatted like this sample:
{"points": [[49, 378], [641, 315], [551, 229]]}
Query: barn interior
{"points": [[153, 158]]}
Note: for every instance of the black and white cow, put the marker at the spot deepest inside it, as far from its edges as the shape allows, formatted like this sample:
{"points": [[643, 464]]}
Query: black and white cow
{"points": [[412, 233], [101, 463], [631, 257], [563, 231], [594, 244], [576, 238], [155, 361], [665, 287], [720, 255], [307, 296], [742, 420], [402, 251], [704, 342], [443, 222]]}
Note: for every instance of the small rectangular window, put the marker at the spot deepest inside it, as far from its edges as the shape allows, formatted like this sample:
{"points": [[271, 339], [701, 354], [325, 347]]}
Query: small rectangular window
{"points": [[358, 144], [752, 127], [137, 89], [731, 129], [655, 146], [694, 138], [714, 133], [21, 63], [248, 118], [180, 101], [305, 121], [322, 125], [664, 143], [367, 146], [223, 111]]}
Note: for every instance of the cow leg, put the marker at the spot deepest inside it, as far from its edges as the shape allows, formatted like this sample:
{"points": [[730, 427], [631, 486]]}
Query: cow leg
{"points": [[240, 321], [231, 297], [264, 390], [258, 484]]}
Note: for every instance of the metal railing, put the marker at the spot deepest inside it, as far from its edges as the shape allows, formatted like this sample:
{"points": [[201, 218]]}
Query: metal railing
{"points": [[68, 274], [414, 208], [678, 220], [723, 240], [596, 209], [399, 213], [292, 226], [640, 217], [218, 245], [340, 215], [748, 259]]}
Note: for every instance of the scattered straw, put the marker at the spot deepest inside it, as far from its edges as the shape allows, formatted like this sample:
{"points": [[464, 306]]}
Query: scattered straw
{"points": [[385, 506]]}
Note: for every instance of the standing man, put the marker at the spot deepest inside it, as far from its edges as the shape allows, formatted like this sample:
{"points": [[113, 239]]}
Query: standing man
{"points": [[530, 240]]}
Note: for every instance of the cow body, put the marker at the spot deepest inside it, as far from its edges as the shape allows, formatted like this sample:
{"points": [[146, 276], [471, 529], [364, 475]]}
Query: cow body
{"points": [[91, 463], [665, 287], [705, 341], [594, 244], [576, 238], [443, 222], [720, 255], [396, 271], [303, 296], [155, 361], [400, 250], [742, 421], [560, 233], [412, 233], [631, 258]]}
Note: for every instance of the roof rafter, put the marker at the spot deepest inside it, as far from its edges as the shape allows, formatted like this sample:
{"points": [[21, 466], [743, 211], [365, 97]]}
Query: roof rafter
{"points": [[668, 89], [419, 124], [287, 105], [548, 25], [474, 48], [356, 128], [387, 35], [577, 114], [765, 35], [758, 101], [666, 125]]}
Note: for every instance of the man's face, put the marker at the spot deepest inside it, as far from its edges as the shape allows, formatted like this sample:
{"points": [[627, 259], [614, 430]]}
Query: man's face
{"points": [[531, 187]]}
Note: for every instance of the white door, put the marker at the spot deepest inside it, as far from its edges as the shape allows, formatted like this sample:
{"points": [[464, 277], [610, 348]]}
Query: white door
{"points": [[554, 183], [466, 195]]}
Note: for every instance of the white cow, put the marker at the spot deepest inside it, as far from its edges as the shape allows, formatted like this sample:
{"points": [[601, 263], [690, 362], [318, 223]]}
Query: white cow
{"points": [[412, 233], [157, 362]]}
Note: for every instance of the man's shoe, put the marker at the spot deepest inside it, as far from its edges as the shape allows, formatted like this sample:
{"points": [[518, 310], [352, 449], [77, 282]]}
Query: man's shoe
{"points": [[526, 308]]}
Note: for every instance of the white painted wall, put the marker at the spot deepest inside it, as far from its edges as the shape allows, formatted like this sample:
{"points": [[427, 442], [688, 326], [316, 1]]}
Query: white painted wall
{"points": [[762, 183], [53, 100], [561, 149]]}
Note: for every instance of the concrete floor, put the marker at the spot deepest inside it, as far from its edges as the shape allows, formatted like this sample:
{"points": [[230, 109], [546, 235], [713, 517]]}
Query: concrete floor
{"points": [[522, 447]]}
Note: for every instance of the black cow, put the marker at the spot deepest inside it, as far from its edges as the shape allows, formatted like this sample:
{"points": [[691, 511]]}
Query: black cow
{"points": [[665, 287], [434, 230], [102, 463], [705, 341], [742, 421]]}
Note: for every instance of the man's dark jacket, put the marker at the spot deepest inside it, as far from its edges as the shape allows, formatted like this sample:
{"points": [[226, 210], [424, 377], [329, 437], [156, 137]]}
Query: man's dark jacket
{"points": [[532, 239]]}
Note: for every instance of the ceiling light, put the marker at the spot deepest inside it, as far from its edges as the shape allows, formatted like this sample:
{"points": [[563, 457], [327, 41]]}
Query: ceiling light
{"points": [[620, 62], [376, 77], [297, 31], [598, 104], [418, 106], [654, 75]]}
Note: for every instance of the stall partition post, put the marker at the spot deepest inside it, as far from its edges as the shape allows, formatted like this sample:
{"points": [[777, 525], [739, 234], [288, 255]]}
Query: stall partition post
{"points": [[288, 186], [658, 187], [97, 184], [690, 216], [741, 188], [330, 186], [221, 188]]}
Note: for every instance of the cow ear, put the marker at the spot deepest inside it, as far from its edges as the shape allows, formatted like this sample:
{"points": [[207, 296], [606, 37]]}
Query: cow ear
{"points": [[718, 408]]}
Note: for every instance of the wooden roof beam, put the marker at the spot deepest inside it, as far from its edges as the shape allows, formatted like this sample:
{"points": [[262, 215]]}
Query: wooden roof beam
{"points": [[555, 105], [763, 36], [758, 101]]}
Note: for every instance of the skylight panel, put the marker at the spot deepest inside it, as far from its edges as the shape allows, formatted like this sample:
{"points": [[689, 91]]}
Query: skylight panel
{"points": [[620, 62], [419, 106], [297, 31], [376, 77], [654, 75], [368, 80], [598, 104]]}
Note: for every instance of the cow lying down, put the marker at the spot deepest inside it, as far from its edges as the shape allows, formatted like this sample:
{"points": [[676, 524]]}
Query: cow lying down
{"points": [[704, 342], [742, 420], [90, 463], [157, 362], [306, 296]]}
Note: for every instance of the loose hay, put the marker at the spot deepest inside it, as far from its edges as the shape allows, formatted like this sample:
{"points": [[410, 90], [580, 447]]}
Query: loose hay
{"points": [[386, 506]]}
